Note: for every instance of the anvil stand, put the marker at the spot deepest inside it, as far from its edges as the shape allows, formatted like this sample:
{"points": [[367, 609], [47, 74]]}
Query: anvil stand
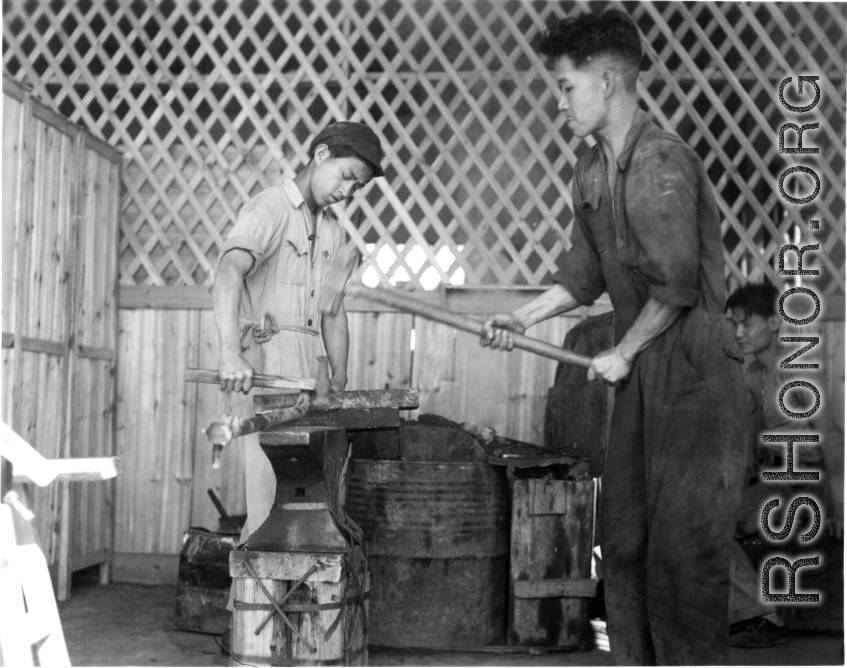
{"points": [[307, 463]]}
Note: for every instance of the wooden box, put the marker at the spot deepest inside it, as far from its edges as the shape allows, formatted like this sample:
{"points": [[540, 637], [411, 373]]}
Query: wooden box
{"points": [[550, 576]]}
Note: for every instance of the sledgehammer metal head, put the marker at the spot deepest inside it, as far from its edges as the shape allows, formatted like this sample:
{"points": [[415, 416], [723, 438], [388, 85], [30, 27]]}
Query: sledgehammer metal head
{"points": [[340, 269]]}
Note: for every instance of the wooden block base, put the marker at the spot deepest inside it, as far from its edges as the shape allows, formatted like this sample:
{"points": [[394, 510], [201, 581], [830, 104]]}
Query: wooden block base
{"points": [[325, 616]]}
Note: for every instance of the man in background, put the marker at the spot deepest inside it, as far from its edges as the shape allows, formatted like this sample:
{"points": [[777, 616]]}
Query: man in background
{"points": [[756, 324]]}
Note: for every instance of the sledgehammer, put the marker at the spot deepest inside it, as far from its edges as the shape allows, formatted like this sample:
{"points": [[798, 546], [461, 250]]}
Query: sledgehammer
{"points": [[336, 286]]}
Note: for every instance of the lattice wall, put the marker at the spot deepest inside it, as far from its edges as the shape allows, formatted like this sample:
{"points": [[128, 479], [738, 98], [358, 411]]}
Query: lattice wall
{"points": [[213, 101]]}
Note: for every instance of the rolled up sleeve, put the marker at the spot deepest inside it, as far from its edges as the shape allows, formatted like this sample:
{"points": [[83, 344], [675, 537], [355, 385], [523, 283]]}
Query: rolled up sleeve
{"points": [[580, 270], [259, 227], [662, 217]]}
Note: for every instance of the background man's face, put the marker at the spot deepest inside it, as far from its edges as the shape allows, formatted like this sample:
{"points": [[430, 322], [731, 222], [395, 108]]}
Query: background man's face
{"points": [[581, 96], [753, 332]]}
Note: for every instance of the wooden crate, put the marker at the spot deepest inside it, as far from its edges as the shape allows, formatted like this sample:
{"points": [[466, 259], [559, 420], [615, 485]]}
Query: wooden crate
{"points": [[329, 610], [551, 585]]}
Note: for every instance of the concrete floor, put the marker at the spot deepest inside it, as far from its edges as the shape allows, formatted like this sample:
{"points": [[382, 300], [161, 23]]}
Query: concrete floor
{"points": [[132, 625]]}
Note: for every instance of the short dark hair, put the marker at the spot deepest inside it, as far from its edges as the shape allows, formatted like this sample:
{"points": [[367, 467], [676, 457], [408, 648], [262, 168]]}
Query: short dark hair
{"points": [[755, 299], [581, 38]]}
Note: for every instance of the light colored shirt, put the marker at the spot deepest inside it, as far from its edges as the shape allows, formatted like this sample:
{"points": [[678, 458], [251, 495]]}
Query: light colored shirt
{"points": [[291, 264]]}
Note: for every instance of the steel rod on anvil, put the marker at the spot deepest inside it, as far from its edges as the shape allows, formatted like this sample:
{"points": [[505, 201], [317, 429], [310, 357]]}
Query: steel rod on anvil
{"points": [[265, 422], [403, 399], [276, 409], [403, 301]]}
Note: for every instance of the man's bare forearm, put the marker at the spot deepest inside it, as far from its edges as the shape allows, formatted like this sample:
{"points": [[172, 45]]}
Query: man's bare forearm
{"points": [[226, 302], [496, 330], [336, 338], [614, 365], [235, 371], [552, 302], [655, 317]]}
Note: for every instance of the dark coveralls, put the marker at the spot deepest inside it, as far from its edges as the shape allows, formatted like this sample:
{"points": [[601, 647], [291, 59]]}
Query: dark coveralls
{"points": [[676, 456]]}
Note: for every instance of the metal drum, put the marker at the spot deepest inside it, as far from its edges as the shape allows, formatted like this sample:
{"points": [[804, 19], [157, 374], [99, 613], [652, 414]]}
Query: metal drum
{"points": [[437, 535]]}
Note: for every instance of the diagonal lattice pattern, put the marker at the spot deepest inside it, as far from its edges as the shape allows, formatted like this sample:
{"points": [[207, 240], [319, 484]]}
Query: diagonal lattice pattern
{"points": [[211, 102]]}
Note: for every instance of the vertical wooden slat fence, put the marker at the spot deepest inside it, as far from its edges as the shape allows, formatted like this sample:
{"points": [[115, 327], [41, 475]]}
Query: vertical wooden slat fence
{"points": [[156, 431], [460, 379], [95, 317], [210, 102], [60, 225], [13, 113]]}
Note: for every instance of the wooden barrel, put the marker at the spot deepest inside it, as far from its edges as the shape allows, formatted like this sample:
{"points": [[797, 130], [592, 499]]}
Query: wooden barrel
{"points": [[327, 614], [437, 537]]}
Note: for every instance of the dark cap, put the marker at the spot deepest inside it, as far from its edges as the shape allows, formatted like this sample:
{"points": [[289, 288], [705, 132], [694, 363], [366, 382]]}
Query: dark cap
{"points": [[356, 136]]}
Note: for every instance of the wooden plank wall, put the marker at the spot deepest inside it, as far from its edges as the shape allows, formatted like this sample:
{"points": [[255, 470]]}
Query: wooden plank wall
{"points": [[60, 239], [93, 367], [155, 420], [39, 220], [465, 382], [13, 110]]}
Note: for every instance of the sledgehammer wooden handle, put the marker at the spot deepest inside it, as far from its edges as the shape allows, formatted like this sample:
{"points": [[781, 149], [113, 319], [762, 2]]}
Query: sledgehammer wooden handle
{"points": [[259, 380], [404, 302]]}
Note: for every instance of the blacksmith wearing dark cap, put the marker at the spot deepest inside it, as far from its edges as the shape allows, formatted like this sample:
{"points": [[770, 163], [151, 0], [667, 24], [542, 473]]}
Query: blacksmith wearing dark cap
{"points": [[280, 249]]}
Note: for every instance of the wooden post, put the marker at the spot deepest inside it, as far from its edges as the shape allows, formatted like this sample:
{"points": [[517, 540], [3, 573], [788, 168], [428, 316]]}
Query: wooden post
{"points": [[71, 249]]}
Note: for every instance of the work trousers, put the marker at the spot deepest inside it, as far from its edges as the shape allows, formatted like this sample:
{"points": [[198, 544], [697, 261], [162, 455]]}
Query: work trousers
{"points": [[671, 484]]}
